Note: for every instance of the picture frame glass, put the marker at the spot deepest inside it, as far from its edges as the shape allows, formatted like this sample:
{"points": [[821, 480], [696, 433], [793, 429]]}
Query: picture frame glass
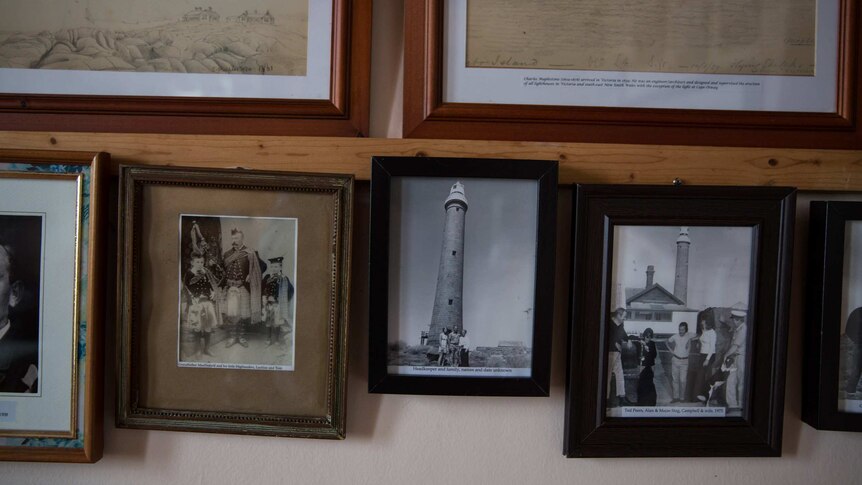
{"points": [[680, 321], [849, 395], [462, 272], [225, 261], [260, 49], [773, 56]]}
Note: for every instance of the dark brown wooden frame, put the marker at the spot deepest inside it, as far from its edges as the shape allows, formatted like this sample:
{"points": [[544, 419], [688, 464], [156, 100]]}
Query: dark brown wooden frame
{"points": [[427, 116], [332, 424], [382, 171], [589, 433], [823, 316], [92, 389], [345, 113]]}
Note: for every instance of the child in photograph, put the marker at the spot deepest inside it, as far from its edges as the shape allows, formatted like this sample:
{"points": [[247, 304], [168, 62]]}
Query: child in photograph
{"points": [[202, 317], [646, 386], [277, 292], [444, 347]]}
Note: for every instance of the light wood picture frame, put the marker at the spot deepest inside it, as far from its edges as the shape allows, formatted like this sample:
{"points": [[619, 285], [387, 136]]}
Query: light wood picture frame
{"points": [[57, 286]]}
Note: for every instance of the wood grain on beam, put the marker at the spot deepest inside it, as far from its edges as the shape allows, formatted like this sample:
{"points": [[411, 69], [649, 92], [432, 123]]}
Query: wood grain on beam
{"points": [[579, 162]]}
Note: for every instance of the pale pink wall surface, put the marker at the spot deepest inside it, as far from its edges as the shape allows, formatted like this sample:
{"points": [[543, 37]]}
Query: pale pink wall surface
{"points": [[393, 439]]}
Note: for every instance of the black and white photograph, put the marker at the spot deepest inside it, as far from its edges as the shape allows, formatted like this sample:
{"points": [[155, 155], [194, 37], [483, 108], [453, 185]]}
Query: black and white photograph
{"points": [[462, 272], [679, 327], [850, 362], [237, 292], [21, 257]]}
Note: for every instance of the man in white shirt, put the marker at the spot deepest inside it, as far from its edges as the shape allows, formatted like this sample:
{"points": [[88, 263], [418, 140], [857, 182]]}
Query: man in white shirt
{"points": [[679, 346]]}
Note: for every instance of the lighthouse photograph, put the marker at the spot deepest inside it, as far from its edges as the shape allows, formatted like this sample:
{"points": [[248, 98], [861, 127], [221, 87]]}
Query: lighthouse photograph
{"points": [[462, 270], [680, 321]]}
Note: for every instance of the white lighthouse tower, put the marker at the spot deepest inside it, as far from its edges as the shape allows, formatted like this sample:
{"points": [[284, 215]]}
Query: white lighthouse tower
{"points": [[680, 283], [450, 275]]}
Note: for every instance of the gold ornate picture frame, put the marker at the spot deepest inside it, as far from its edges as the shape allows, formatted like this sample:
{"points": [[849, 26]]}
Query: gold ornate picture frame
{"points": [[233, 301]]}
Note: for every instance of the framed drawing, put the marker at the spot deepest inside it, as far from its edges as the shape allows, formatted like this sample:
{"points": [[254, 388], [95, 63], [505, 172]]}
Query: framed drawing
{"points": [[231, 282], [703, 73], [679, 321], [462, 276], [295, 67], [831, 398], [51, 305]]}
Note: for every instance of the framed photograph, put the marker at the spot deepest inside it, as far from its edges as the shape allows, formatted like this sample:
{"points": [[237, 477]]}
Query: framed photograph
{"points": [[230, 282], [757, 73], [679, 320], [462, 276], [51, 305], [289, 67], [832, 396]]}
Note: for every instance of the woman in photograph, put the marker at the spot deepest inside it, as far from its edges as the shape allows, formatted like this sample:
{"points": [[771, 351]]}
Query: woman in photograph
{"points": [[646, 385]]}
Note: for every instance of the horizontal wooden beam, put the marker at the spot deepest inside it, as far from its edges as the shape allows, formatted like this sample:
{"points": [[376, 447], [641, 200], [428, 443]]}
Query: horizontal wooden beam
{"points": [[834, 170]]}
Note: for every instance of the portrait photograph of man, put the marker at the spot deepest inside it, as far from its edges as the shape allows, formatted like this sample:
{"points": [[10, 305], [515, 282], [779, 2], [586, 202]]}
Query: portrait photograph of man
{"points": [[20, 291], [237, 292]]}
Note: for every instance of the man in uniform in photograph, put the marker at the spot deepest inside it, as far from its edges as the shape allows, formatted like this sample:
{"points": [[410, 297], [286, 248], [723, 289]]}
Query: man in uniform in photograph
{"points": [[736, 378], [202, 317], [679, 345], [465, 349], [615, 361], [19, 352], [243, 269], [277, 295]]}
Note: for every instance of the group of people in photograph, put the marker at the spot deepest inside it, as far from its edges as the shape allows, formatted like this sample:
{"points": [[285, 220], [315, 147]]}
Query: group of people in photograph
{"points": [[235, 293], [697, 369], [454, 348]]}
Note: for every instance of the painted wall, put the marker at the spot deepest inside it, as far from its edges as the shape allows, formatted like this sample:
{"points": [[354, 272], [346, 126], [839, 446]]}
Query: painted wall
{"points": [[415, 439]]}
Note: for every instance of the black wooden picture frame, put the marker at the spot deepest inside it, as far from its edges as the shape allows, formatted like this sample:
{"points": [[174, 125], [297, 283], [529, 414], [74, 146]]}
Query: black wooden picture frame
{"points": [[589, 432], [826, 253], [545, 173]]}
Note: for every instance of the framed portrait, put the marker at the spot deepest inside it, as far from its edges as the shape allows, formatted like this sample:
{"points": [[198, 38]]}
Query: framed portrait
{"points": [[231, 282], [290, 67], [831, 397], [760, 73], [679, 320], [51, 305], [462, 272]]}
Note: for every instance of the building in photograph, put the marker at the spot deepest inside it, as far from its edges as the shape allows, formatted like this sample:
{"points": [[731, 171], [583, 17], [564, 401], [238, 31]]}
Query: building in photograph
{"points": [[200, 14], [256, 17], [656, 307]]}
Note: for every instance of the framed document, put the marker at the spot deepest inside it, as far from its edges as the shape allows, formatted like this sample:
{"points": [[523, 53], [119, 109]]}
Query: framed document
{"points": [[232, 282], [679, 321], [462, 276], [51, 300], [297, 67], [758, 73], [831, 397]]}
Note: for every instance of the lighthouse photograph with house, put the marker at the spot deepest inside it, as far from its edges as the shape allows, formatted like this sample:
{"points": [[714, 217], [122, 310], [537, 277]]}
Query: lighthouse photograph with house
{"points": [[462, 273], [680, 321]]}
